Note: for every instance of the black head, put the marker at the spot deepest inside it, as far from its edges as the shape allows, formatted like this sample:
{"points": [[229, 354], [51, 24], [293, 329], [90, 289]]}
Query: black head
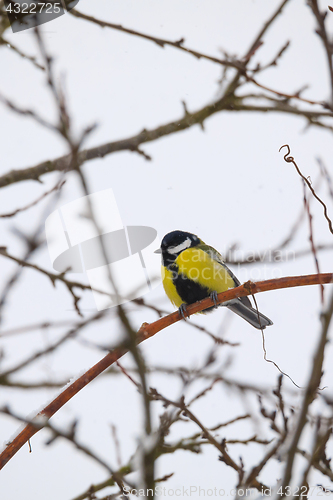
{"points": [[176, 242]]}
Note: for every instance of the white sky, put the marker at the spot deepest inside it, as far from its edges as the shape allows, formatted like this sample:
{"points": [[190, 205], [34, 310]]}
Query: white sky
{"points": [[229, 184]]}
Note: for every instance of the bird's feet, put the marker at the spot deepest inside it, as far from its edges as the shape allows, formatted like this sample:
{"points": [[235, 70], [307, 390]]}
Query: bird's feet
{"points": [[213, 297], [183, 312]]}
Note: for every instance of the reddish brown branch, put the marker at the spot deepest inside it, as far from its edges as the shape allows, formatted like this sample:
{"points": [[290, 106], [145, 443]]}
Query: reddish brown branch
{"points": [[149, 330]]}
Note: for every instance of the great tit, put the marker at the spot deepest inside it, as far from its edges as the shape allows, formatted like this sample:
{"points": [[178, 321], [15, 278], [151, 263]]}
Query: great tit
{"points": [[192, 271]]}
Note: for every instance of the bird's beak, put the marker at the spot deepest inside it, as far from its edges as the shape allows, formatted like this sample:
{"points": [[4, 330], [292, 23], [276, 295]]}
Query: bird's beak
{"points": [[158, 251]]}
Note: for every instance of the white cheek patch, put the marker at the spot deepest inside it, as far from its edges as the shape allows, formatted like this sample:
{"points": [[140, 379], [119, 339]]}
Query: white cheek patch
{"points": [[179, 248]]}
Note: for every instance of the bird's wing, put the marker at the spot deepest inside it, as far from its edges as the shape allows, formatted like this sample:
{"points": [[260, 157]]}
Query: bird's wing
{"points": [[214, 254]]}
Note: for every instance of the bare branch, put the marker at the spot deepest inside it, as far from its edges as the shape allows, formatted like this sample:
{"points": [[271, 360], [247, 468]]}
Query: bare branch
{"points": [[148, 330], [310, 392], [311, 238], [39, 423], [63, 163], [161, 42], [290, 159], [69, 335], [32, 59], [27, 112], [321, 31], [33, 203], [71, 285]]}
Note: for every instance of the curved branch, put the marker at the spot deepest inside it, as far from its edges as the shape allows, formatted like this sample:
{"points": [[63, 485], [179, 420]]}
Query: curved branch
{"points": [[146, 331]]}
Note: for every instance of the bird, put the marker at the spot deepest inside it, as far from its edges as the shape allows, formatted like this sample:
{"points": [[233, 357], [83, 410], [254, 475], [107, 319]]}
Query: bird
{"points": [[192, 271]]}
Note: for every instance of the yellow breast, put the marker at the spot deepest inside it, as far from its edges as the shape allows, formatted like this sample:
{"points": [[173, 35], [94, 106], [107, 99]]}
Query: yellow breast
{"points": [[170, 288], [196, 265]]}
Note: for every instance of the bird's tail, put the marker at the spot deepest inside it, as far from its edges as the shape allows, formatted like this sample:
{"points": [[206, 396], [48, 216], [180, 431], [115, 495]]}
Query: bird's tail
{"points": [[249, 314]]}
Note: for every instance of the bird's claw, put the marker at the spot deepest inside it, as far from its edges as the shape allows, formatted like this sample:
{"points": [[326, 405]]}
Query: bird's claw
{"points": [[183, 311], [213, 297]]}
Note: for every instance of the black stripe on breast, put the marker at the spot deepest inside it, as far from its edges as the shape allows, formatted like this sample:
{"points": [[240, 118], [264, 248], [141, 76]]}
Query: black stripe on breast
{"points": [[188, 290]]}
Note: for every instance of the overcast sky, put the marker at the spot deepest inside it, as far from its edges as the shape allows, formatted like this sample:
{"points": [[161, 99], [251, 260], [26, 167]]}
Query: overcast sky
{"points": [[228, 184]]}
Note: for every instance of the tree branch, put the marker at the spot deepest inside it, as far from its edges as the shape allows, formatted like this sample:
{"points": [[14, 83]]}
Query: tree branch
{"points": [[161, 42], [227, 103], [310, 392], [147, 331]]}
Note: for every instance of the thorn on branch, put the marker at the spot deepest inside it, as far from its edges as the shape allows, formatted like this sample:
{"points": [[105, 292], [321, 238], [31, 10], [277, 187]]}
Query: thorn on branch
{"points": [[301, 90], [180, 42], [88, 130], [274, 61], [253, 51], [269, 415], [185, 109], [241, 471], [277, 392], [224, 447], [284, 48], [164, 478], [142, 153]]}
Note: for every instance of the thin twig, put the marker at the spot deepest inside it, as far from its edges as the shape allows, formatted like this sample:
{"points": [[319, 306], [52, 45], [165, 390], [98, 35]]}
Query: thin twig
{"points": [[13, 47], [33, 203], [69, 436], [68, 335], [311, 238], [71, 285], [161, 42], [290, 159], [225, 456], [27, 112], [326, 176], [321, 31]]}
